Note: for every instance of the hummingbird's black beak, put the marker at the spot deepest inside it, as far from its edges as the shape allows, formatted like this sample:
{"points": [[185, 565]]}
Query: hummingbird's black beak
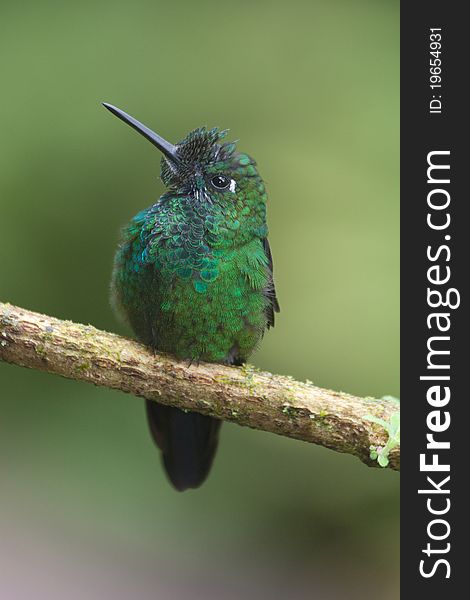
{"points": [[168, 149]]}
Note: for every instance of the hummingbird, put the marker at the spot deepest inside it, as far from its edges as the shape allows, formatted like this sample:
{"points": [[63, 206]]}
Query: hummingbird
{"points": [[193, 277]]}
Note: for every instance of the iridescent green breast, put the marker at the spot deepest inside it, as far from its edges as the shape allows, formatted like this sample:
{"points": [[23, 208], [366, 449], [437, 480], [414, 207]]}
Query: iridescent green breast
{"points": [[191, 283]]}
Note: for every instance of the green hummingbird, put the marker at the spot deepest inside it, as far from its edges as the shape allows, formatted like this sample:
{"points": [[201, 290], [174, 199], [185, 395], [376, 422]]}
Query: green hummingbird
{"points": [[193, 276]]}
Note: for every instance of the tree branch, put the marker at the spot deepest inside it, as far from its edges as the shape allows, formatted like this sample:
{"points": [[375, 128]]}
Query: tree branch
{"points": [[243, 395]]}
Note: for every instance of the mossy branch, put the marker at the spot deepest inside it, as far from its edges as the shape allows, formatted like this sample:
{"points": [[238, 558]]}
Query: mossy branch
{"points": [[244, 395]]}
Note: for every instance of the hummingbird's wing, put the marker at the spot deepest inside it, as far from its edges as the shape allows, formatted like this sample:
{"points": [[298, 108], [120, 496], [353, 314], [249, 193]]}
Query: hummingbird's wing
{"points": [[270, 290]]}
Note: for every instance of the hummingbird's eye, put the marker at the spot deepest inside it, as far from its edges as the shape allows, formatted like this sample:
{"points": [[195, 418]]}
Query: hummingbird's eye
{"points": [[220, 182]]}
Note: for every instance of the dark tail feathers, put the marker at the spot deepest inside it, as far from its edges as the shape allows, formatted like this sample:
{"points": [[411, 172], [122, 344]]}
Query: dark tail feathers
{"points": [[188, 442]]}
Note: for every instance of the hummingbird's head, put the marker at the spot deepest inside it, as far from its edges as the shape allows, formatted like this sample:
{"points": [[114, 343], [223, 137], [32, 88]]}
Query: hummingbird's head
{"points": [[202, 165]]}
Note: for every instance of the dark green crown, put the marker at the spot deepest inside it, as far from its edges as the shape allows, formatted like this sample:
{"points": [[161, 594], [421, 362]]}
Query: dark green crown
{"points": [[201, 147]]}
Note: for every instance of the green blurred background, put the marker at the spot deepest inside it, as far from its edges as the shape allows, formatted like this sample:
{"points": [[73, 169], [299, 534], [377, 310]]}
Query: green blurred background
{"points": [[311, 89]]}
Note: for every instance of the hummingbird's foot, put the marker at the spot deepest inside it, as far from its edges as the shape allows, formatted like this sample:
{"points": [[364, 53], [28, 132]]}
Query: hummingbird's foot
{"points": [[193, 361], [233, 359]]}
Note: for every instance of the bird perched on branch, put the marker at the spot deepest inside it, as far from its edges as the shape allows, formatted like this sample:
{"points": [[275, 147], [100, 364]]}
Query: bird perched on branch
{"points": [[193, 276]]}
